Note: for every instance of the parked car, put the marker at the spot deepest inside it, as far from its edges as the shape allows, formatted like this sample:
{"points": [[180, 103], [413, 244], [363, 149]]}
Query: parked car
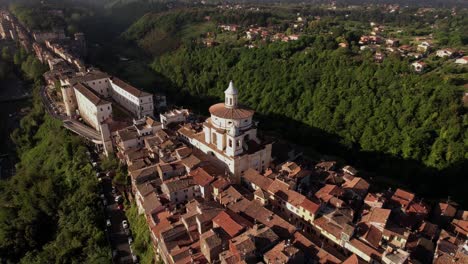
{"points": [[118, 198], [104, 202], [125, 224], [130, 240], [103, 197], [108, 223], [134, 258]]}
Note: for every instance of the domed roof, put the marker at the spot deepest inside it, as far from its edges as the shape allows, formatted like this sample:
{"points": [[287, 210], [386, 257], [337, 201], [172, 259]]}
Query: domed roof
{"points": [[231, 89], [220, 110]]}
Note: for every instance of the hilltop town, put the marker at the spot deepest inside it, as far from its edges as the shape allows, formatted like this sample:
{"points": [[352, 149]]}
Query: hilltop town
{"points": [[217, 190]]}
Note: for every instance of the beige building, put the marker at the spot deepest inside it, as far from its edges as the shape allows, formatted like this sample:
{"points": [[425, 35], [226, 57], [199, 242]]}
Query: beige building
{"points": [[230, 135], [91, 107], [139, 103]]}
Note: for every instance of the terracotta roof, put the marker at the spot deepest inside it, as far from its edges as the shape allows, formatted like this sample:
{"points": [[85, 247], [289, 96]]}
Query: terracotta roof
{"points": [[220, 110], [428, 229], [190, 161], [353, 259], [178, 184], [151, 203], [127, 87], [447, 209], [252, 176], [221, 183], [356, 183], [201, 177], [417, 208], [366, 249], [281, 253], [310, 206], [230, 222], [373, 236], [89, 76], [403, 197], [183, 151], [328, 192], [328, 226], [211, 239], [377, 215], [461, 226], [90, 95]]}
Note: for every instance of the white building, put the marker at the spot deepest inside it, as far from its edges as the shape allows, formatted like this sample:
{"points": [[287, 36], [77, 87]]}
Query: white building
{"points": [[92, 108], [139, 103], [174, 116], [463, 60], [444, 53], [419, 66], [180, 190], [230, 135], [134, 100]]}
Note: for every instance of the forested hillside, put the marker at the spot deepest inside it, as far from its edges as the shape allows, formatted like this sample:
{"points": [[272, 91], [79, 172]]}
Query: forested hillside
{"points": [[384, 108], [49, 211], [406, 127]]}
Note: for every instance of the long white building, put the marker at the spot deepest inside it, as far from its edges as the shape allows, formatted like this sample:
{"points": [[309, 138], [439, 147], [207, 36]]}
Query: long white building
{"points": [[92, 108], [231, 136], [137, 102]]}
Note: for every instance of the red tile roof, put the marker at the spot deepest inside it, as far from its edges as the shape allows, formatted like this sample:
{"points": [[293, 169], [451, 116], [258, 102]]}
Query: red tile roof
{"points": [[402, 197], [221, 183], [252, 176], [310, 206], [201, 177], [227, 222], [220, 110], [461, 226], [353, 259], [447, 209], [377, 215]]}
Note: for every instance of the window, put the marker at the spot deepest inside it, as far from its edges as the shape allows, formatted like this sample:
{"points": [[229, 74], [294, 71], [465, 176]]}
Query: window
{"points": [[230, 143], [101, 108], [108, 108], [230, 101]]}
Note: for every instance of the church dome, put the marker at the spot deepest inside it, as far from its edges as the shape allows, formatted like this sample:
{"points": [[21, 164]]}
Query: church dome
{"points": [[220, 110]]}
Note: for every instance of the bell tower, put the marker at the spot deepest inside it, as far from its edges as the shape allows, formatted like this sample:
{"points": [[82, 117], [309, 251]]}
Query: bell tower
{"points": [[230, 96]]}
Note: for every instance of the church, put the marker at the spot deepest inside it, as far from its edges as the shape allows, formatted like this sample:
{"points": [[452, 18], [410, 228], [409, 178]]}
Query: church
{"points": [[230, 135]]}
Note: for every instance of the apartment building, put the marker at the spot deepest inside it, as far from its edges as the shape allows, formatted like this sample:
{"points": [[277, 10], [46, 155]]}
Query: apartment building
{"points": [[91, 107]]}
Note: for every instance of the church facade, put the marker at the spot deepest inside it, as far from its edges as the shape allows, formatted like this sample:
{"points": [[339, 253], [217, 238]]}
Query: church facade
{"points": [[230, 135]]}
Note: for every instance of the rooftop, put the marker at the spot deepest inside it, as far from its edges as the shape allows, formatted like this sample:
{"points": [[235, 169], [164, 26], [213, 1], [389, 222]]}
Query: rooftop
{"points": [[127, 87], [90, 95], [220, 110]]}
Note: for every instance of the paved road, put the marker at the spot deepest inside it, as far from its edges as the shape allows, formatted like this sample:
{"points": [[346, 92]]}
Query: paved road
{"points": [[82, 130], [117, 235]]}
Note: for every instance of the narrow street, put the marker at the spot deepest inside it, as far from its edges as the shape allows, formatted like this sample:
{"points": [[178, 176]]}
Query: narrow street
{"points": [[117, 235]]}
